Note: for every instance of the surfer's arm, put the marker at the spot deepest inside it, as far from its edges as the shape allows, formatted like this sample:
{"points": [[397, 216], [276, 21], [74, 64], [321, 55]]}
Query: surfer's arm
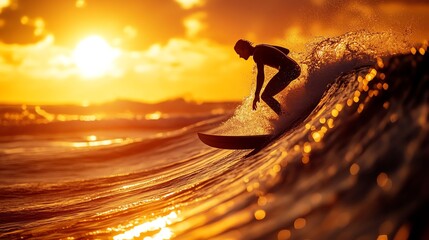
{"points": [[259, 82]]}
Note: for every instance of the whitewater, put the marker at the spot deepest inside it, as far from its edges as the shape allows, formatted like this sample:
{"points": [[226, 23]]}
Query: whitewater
{"points": [[349, 162]]}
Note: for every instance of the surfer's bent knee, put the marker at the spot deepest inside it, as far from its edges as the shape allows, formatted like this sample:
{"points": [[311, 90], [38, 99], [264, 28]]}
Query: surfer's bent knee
{"points": [[267, 97], [293, 73]]}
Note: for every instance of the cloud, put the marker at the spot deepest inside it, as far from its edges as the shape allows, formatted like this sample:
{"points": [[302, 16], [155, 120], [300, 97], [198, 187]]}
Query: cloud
{"points": [[155, 21], [188, 4], [198, 68], [80, 3], [19, 28], [42, 60], [4, 4], [194, 24], [221, 20], [228, 21]]}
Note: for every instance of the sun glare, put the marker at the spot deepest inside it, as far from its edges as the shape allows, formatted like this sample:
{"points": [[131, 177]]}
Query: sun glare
{"points": [[94, 57]]}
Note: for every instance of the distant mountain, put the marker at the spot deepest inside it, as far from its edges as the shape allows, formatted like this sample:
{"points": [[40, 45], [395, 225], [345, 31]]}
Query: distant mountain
{"points": [[123, 106]]}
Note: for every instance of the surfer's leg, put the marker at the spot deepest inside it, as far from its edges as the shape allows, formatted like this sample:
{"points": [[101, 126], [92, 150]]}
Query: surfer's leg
{"points": [[274, 86], [272, 103], [279, 82]]}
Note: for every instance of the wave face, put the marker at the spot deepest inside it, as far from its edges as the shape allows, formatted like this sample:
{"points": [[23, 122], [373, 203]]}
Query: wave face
{"points": [[350, 161]]}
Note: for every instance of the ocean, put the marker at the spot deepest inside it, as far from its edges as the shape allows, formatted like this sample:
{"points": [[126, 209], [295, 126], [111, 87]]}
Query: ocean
{"points": [[350, 159]]}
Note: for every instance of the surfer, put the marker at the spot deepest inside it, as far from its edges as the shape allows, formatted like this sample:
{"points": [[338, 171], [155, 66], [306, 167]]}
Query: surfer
{"points": [[273, 56]]}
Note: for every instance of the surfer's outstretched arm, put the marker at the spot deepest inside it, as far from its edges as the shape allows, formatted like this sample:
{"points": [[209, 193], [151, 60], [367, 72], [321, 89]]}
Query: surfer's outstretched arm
{"points": [[259, 82]]}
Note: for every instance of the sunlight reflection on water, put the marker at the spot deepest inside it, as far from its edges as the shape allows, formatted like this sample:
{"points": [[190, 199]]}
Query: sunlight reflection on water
{"points": [[106, 142], [160, 224]]}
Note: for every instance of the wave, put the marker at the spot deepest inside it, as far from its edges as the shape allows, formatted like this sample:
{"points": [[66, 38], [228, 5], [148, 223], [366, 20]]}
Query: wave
{"points": [[354, 142]]}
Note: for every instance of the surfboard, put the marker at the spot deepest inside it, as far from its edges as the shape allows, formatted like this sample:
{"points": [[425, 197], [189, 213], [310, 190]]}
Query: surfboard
{"points": [[235, 142]]}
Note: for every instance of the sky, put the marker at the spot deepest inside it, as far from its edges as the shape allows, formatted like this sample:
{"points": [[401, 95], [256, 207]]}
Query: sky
{"points": [[92, 51]]}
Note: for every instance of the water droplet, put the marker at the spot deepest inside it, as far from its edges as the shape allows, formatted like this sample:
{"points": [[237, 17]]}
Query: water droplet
{"points": [[354, 169], [382, 237], [299, 223], [284, 234], [307, 147], [260, 214], [262, 201]]}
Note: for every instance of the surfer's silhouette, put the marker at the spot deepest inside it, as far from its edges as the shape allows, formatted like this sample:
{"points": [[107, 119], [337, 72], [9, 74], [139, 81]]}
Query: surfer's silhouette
{"points": [[273, 56]]}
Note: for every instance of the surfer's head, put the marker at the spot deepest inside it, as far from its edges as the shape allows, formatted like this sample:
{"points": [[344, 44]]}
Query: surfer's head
{"points": [[243, 48]]}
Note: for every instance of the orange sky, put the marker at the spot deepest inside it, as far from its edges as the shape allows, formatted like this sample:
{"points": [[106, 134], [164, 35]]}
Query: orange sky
{"points": [[96, 50]]}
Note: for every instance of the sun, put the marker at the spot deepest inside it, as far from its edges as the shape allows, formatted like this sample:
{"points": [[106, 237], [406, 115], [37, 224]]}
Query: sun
{"points": [[94, 57]]}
